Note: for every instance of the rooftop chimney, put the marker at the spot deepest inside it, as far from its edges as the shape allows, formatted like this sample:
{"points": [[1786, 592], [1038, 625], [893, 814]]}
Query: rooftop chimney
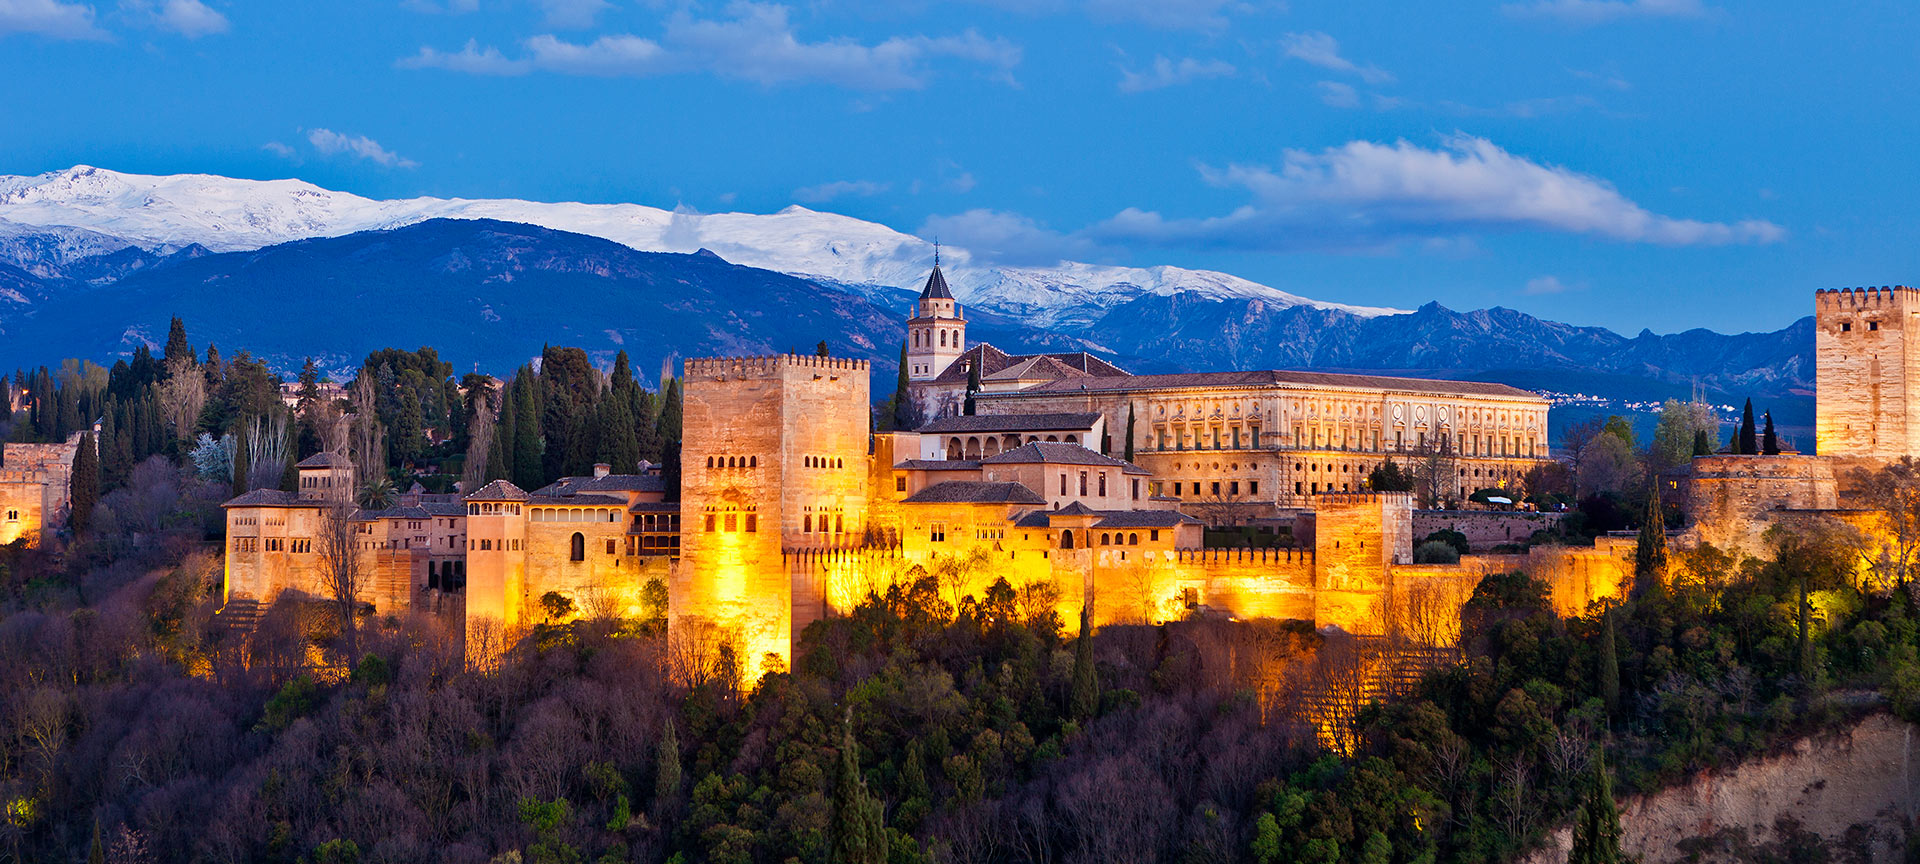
{"points": [[602, 469]]}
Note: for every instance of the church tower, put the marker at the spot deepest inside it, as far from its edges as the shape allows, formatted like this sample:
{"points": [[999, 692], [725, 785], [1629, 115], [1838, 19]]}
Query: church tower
{"points": [[936, 334]]}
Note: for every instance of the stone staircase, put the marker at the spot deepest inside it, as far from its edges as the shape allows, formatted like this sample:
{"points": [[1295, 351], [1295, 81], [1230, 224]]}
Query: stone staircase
{"points": [[238, 617]]}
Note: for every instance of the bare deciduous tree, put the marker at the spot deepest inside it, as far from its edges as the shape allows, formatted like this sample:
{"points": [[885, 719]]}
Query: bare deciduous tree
{"points": [[340, 568], [267, 444], [1893, 493], [182, 396], [480, 432]]}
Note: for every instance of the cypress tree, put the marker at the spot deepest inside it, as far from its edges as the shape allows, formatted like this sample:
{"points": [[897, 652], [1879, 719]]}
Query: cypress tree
{"points": [[859, 832], [1610, 668], [1130, 418], [1769, 442], [902, 419], [1650, 552], [1086, 688], [97, 850], [85, 483], [666, 769], [504, 430], [1733, 443], [1749, 445], [242, 461], [973, 386], [1596, 830], [616, 435], [1702, 445], [528, 473], [496, 468]]}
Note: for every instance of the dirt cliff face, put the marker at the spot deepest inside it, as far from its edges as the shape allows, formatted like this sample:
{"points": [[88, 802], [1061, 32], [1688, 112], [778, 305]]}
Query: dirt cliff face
{"points": [[1854, 791]]}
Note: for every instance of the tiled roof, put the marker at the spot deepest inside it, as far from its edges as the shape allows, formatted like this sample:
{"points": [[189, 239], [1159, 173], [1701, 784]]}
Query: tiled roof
{"points": [[390, 513], [1076, 509], [271, 498], [1144, 519], [438, 508], [1011, 423], [975, 492], [936, 286], [1032, 519], [938, 465], [1273, 377], [322, 460], [1054, 452], [609, 483], [576, 501], [992, 360], [498, 490], [1040, 367]]}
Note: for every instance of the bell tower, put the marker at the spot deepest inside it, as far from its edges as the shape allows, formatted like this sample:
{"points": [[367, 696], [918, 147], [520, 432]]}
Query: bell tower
{"points": [[936, 334]]}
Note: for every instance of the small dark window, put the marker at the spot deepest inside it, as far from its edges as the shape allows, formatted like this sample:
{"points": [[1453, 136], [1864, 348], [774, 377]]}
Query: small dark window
{"points": [[579, 546], [609, 547], [1846, 328], [899, 484], [1873, 325]]}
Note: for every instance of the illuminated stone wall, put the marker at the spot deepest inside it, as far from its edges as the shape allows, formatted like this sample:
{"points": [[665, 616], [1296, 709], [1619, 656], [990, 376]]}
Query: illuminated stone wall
{"points": [[35, 482], [1484, 529], [1357, 537], [778, 444], [1730, 500], [1867, 369]]}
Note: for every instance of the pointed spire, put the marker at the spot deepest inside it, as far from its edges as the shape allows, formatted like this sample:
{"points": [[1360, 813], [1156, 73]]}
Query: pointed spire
{"points": [[936, 253]]}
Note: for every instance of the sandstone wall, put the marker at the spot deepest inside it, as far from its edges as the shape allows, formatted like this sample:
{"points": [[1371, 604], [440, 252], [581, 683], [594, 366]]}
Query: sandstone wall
{"points": [[1862, 775], [1867, 366], [1484, 529], [1729, 499]]}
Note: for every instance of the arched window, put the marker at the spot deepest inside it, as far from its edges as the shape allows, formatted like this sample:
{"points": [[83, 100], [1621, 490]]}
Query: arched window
{"points": [[1066, 539], [943, 338], [1106, 540], [1133, 539], [709, 461], [807, 528], [579, 546]]}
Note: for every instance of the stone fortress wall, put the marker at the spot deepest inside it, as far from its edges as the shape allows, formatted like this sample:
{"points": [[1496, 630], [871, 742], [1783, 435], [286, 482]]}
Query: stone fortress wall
{"points": [[35, 484]]}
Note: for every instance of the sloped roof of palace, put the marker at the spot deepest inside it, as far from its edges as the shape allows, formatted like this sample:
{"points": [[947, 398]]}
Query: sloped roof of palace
{"points": [[975, 492], [1269, 377], [992, 360], [938, 465], [321, 460], [609, 483], [498, 490], [1055, 452], [1010, 422]]}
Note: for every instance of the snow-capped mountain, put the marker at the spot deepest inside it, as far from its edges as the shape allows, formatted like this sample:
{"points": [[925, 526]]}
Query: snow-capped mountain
{"points": [[90, 209]]}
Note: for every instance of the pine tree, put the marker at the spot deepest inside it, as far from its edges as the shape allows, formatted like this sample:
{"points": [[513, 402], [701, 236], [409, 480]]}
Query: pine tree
{"points": [[86, 484], [1610, 668], [666, 769], [1769, 442], [820, 350], [1749, 445], [1596, 829], [1129, 456], [859, 832], [1650, 552], [1702, 444], [1086, 687], [177, 346]]}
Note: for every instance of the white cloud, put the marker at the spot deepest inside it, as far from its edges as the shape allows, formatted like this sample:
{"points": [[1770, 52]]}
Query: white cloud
{"points": [[331, 143], [280, 150], [48, 18], [573, 14], [607, 55], [1009, 238], [756, 43], [472, 60], [1367, 195], [963, 183], [839, 189], [1167, 73], [1337, 94], [1541, 285], [1319, 49], [190, 18], [1603, 11]]}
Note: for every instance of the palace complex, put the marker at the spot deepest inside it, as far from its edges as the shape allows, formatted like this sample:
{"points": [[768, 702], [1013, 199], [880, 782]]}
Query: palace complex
{"points": [[1060, 469], [35, 480]]}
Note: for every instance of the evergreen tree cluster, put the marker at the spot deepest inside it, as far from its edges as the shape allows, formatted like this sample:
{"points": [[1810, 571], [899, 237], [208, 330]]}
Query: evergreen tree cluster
{"points": [[562, 419]]}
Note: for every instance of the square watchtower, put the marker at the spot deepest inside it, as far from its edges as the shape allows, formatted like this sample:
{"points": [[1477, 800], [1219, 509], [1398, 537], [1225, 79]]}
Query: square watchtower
{"points": [[1867, 372]]}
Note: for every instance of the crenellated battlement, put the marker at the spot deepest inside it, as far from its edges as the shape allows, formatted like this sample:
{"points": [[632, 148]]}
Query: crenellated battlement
{"points": [[1350, 498], [1865, 298], [769, 365]]}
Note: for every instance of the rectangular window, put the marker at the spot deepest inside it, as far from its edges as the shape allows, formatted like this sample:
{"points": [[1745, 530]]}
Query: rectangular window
{"points": [[609, 547], [1154, 535], [753, 523], [1253, 487], [1176, 488], [937, 532], [1103, 483], [1063, 484], [1083, 483], [1233, 488], [732, 522], [900, 484], [1216, 487], [710, 521], [1134, 488]]}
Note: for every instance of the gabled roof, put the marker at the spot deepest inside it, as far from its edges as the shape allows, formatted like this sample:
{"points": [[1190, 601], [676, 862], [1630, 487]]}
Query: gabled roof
{"points": [[975, 492], [271, 498], [1076, 509], [992, 360], [1274, 377], [936, 286], [322, 460], [576, 501], [1039, 367], [609, 483], [938, 465], [1012, 423], [1055, 452], [498, 490]]}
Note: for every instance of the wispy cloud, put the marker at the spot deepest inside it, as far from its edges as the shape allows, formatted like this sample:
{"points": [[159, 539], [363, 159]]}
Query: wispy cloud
{"points": [[1205, 15], [1543, 285], [280, 149], [191, 18], [1319, 49], [573, 14], [49, 18], [1337, 94], [839, 189], [331, 143], [1368, 195], [756, 43], [1168, 73], [1009, 238], [1603, 11]]}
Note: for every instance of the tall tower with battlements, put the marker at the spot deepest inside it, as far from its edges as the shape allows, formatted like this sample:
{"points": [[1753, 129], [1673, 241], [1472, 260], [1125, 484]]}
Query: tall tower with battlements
{"points": [[773, 460], [1867, 372], [936, 334]]}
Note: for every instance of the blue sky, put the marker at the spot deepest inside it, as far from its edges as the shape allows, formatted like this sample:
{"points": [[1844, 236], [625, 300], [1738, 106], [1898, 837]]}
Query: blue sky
{"points": [[1630, 163]]}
